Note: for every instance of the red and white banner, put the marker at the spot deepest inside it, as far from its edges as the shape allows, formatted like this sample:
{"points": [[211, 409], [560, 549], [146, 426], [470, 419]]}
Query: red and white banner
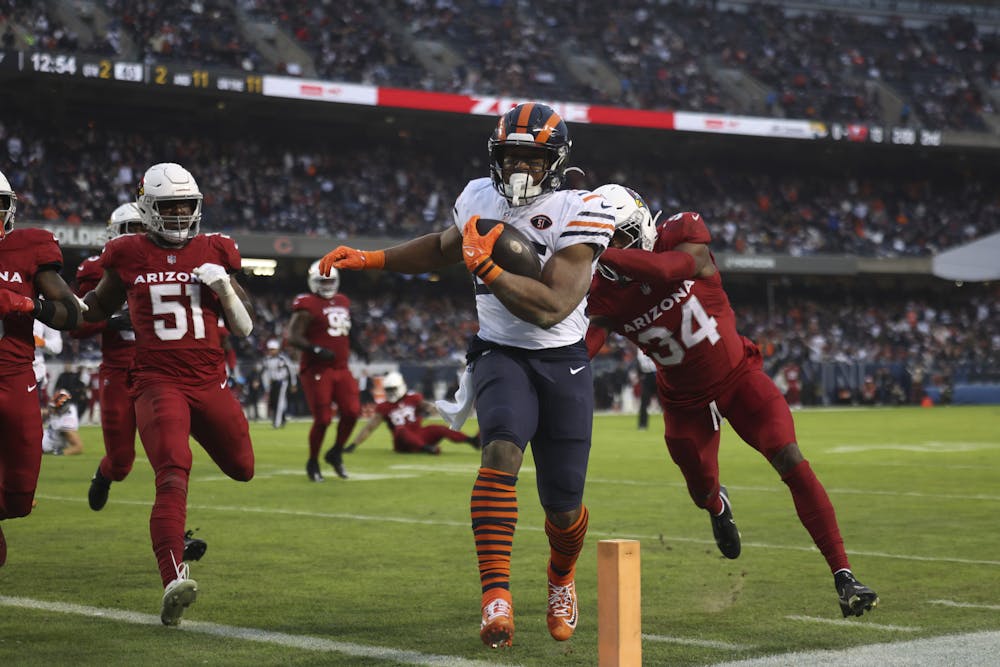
{"points": [[319, 91]]}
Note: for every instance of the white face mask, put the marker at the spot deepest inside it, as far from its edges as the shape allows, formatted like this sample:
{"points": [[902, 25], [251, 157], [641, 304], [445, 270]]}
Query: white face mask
{"points": [[520, 188]]}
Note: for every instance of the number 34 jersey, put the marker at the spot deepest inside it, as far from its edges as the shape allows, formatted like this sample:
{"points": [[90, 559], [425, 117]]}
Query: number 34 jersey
{"points": [[175, 317], [687, 327]]}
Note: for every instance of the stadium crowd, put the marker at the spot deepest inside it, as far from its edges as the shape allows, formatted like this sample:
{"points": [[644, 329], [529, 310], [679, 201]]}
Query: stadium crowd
{"points": [[79, 173], [660, 55], [907, 343]]}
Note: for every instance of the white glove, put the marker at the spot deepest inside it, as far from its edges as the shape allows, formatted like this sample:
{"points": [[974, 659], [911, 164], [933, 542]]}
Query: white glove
{"points": [[213, 275], [83, 307]]}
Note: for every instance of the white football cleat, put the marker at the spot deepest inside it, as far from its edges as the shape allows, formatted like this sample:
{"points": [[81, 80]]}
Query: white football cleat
{"points": [[178, 595]]}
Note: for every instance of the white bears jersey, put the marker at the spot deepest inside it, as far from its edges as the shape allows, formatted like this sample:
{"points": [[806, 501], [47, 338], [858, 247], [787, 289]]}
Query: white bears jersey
{"points": [[552, 221], [54, 440]]}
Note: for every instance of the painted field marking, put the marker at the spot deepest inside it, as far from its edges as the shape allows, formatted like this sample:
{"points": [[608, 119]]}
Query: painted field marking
{"points": [[977, 648], [843, 622], [966, 605], [700, 643], [304, 642], [464, 523]]}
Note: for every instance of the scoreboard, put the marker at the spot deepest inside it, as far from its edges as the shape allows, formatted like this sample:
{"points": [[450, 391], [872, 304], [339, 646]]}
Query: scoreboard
{"points": [[92, 67]]}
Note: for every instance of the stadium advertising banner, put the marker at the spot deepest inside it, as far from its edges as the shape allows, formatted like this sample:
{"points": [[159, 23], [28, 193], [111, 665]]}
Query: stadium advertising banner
{"points": [[233, 81]]}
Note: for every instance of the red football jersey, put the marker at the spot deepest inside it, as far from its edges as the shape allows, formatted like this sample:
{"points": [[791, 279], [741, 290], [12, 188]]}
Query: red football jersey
{"points": [[175, 317], [21, 253], [402, 414], [329, 328], [687, 327], [117, 347]]}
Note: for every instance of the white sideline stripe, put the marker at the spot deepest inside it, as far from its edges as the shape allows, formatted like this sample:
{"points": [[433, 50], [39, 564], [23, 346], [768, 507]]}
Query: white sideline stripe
{"points": [[979, 648], [465, 524], [843, 622], [304, 642], [966, 605], [701, 643]]}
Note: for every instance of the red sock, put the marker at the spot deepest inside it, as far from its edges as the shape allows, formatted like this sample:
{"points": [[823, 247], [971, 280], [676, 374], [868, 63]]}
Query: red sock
{"points": [[166, 522], [316, 434], [816, 514]]}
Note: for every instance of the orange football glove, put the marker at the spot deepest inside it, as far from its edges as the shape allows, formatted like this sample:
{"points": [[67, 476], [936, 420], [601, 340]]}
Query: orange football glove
{"points": [[343, 257], [11, 302], [477, 251]]}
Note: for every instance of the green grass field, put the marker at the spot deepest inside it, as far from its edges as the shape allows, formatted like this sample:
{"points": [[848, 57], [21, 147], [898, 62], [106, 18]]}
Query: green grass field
{"points": [[380, 569]]}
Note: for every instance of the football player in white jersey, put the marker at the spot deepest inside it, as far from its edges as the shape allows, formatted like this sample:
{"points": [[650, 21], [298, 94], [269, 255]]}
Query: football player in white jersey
{"points": [[528, 365]]}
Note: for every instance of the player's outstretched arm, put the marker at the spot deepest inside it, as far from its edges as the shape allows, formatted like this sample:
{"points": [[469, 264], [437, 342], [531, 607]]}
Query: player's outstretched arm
{"points": [[597, 334], [687, 260], [365, 432], [61, 309], [430, 252], [104, 300]]}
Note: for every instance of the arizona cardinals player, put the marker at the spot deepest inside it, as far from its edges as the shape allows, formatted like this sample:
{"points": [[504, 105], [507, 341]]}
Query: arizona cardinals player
{"points": [[528, 362], [321, 328], [30, 288], [178, 284], [117, 350], [661, 289], [403, 411]]}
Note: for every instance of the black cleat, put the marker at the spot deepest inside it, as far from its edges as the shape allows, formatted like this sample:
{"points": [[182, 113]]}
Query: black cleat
{"points": [[474, 441], [350, 448], [855, 598], [97, 496], [312, 470], [194, 548], [335, 459], [727, 535]]}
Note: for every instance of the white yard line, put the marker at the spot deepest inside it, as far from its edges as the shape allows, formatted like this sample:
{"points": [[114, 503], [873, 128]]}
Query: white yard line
{"points": [[980, 648], [700, 643], [966, 605], [849, 623], [304, 642], [464, 523]]}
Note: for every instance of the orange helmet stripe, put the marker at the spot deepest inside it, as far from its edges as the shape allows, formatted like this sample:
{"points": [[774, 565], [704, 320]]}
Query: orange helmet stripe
{"points": [[548, 128], [524, 117]]}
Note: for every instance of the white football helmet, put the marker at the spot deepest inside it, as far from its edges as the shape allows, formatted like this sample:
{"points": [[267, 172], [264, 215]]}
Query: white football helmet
{"points": [[632, 219], [121, 218], [394, 386], [8, 204], [169, 182], [323, 286]]}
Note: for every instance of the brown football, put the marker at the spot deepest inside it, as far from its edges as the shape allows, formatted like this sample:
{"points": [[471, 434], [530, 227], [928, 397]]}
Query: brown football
{"points": [[513, 251]]}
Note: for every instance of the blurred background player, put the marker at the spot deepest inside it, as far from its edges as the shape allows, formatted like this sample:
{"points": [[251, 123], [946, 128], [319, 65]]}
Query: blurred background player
{"points": [[117, 350], [30, 289], [48, 343], [647, 386], [277, 376], [321, 328], [403, 411], [707, 372], [178, 284], [62, 426], [528, 363]]}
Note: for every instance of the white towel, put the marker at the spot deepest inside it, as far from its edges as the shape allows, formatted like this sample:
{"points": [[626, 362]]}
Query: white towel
{"points": [[457, 411]]}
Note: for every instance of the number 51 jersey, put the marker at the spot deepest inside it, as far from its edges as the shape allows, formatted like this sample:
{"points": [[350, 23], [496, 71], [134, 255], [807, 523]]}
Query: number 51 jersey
{"points": [[175, 317], [687, 327]]}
